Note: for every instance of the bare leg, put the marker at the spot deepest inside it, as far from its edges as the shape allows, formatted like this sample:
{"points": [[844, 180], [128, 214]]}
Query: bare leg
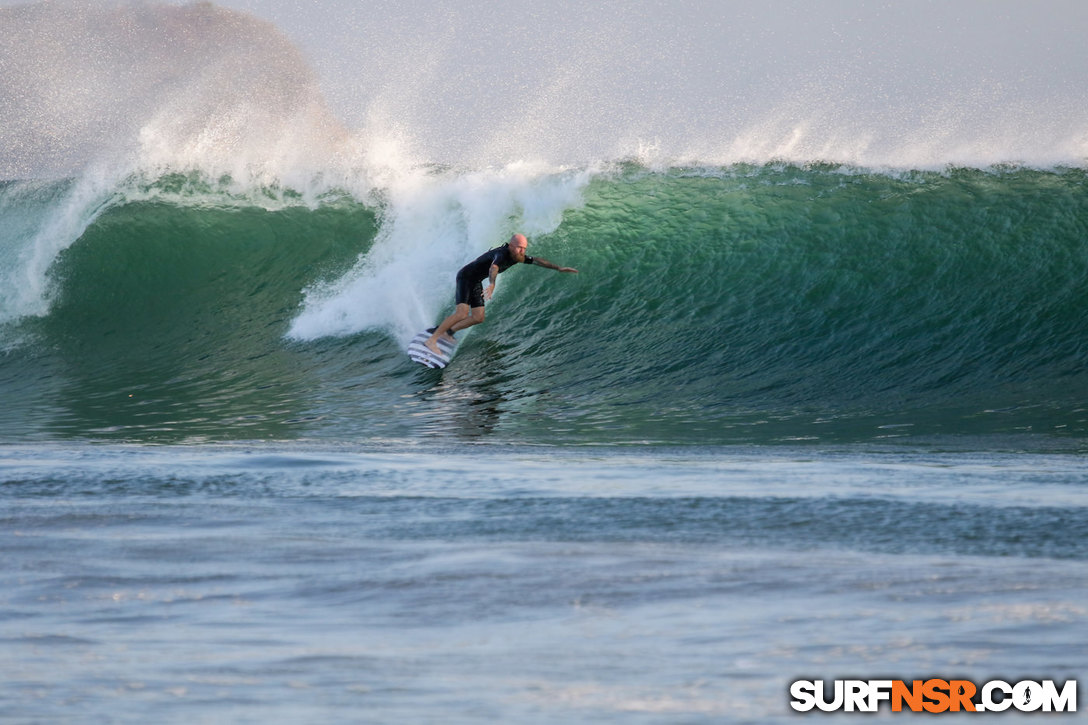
{"points": [[460, 314], [475, 318]]}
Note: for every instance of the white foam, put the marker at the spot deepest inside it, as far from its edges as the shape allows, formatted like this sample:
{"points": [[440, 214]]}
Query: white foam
{"points": [[434, 223], [29, 249]]}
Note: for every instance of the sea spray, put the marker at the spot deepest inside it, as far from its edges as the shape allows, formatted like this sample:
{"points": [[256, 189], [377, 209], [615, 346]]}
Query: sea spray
{"points": [[865, 84], [100, 102], [151, 85], [43, 218]]}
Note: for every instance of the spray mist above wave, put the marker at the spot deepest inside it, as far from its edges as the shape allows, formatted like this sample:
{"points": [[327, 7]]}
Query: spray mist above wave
{"points": [[478, 85], [155, 86], [100, 101], [903, 85]]}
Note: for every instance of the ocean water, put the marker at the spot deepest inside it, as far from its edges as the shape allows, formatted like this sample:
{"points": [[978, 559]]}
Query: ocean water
{"points": [[797, 417], [277, 582]]}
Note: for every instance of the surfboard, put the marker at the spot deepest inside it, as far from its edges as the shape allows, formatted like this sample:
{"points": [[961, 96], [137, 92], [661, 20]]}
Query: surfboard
{"points": [[423, 355]]}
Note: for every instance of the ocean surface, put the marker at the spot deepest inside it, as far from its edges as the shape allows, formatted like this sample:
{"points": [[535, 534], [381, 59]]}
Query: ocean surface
{"points": [[795, 418]]}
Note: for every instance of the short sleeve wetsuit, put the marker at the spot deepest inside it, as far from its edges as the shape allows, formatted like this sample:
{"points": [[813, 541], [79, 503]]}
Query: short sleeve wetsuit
{"points": [[470, 278]]}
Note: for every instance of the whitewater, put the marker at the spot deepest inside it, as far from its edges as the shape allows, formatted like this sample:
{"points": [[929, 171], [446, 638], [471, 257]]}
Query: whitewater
{"points": [[816, 406]]}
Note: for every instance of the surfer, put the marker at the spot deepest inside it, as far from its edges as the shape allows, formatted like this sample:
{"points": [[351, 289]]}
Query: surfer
{"points": [[470, 292]]}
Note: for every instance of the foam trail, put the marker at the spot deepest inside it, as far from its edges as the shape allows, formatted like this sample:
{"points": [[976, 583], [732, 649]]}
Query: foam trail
{"points": [[434, 224]]}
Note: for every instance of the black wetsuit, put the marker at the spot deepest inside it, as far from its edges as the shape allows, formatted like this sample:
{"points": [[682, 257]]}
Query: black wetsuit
{"points": [[470, 278]]}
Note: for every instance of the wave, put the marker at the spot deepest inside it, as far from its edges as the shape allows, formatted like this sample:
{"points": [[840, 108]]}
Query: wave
{"points": [[747, 303], [195, 245]]}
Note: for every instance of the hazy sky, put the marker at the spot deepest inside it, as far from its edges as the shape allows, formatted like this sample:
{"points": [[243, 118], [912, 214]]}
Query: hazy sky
{"points": [[573, 77]]}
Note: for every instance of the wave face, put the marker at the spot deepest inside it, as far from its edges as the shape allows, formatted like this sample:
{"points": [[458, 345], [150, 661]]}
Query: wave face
{"points": [[714, 305]]}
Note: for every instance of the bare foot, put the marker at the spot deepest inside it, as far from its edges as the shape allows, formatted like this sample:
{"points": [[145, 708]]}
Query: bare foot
{"points": [[432, 345]]}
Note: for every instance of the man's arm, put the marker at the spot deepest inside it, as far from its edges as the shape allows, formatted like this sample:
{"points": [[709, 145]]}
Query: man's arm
{"points": [[492, 275], [541, 262]]}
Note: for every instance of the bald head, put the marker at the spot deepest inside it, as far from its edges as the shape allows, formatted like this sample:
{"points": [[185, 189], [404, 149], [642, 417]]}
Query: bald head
{"points": [[518, 244]]}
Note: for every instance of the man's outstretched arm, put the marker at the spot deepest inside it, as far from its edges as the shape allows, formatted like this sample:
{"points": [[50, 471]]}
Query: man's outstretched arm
{"points": [[541, 262]]}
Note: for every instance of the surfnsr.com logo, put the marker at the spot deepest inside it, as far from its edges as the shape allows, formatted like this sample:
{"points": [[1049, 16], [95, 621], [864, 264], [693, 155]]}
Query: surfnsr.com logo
{"points": [[933, 695]]}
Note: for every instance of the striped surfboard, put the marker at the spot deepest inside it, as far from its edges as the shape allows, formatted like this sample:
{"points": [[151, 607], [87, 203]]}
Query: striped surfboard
{"points": [[421, 354]]}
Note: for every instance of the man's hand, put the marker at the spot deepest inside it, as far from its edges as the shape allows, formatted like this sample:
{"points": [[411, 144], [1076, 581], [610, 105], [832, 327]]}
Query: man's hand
{"points": [[569, 270], [489, 291]]}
